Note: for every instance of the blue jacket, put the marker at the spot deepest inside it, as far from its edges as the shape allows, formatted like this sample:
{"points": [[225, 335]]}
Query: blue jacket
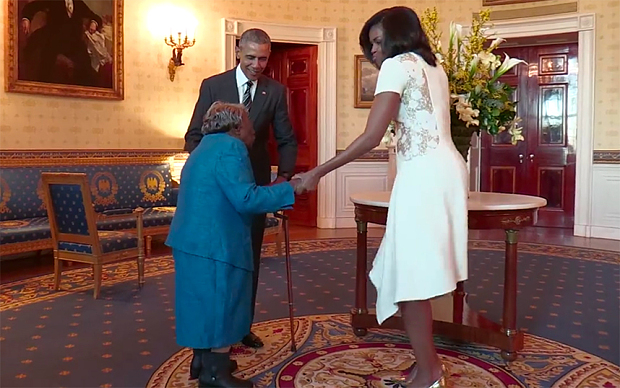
{"points": [[217, 201]]}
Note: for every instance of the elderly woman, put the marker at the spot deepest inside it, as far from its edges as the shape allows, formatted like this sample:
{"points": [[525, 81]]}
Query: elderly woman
{"points": [[211, 245]]}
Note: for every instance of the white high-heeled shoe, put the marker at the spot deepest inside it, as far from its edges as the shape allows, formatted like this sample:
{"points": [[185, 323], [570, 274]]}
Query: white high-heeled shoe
{"points": [[440, 383]]}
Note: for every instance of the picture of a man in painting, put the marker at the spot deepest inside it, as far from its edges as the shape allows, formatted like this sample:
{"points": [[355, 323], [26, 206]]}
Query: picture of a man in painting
{"points": [[66, 42]]}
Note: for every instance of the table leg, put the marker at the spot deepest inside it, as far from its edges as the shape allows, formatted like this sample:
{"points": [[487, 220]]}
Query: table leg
{"points": [[458, 303], [509, 322], [360, 277]]}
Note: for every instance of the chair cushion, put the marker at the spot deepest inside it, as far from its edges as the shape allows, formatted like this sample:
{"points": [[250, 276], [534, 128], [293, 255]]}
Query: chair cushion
{"points": [[30, 229], [111, 241], [271, 222], [155, 216]]}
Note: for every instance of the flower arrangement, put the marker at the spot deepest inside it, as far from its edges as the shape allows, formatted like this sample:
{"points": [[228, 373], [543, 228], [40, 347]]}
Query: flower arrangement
{"points": [[479, 100]]}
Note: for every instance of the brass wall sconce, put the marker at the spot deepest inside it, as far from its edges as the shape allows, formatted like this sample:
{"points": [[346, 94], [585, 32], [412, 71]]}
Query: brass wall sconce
{"points": [[178, 45]]}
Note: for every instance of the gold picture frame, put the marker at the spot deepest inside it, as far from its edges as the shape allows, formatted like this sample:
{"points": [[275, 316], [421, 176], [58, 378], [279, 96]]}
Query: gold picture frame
{"points": [[489, 3], [365, 82], [78, 54]]}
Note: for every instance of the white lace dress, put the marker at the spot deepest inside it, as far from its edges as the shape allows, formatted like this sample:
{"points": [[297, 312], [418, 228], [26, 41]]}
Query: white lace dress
{"points": [[423, 253]]}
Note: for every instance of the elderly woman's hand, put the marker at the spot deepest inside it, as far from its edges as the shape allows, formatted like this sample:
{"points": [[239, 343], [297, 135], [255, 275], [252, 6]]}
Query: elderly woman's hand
{"points": [[309, 180], [296, 183]]}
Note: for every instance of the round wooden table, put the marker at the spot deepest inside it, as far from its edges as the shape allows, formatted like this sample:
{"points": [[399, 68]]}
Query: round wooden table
{"points": [[452, 316]]}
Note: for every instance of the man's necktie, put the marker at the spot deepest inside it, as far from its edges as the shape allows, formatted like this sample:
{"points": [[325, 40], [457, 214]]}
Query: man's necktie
{"points": [[247, 96]]}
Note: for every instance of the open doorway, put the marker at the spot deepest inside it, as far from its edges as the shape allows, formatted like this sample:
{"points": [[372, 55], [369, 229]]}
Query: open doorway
{"points": [[295, 66], [545, 163]]}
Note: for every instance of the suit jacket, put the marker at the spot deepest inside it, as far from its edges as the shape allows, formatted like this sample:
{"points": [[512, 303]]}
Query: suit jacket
{"points": [[217, 200], [268, 107]]}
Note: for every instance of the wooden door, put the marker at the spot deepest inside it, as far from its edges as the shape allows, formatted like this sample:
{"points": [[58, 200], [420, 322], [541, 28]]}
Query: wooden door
{"points": [[502, 168], [296, 67], [544, 164]]}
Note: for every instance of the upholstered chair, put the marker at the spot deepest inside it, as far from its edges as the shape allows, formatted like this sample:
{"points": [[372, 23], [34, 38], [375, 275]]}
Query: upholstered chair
{"points": [[75, 237]]}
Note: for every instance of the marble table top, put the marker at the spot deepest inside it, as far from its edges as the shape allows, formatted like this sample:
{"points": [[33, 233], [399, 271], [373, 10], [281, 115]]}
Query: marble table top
{"points": [[477, 200]]}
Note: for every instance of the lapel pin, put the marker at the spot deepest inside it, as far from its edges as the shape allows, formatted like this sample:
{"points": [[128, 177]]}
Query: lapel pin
{"points": [[264, 92]]}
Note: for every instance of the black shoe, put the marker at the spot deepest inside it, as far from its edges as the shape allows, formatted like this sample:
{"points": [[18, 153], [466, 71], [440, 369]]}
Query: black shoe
{"points": [[216, 372], [252, 341], [196, 364]]}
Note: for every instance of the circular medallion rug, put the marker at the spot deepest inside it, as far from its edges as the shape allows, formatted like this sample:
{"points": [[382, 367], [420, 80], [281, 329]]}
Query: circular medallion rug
{"points": [[330, 355]]}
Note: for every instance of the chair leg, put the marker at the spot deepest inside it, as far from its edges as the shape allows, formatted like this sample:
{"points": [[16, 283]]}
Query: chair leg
{"points": [[148, 244], [97, 269], [140, 270], [57, 271]]}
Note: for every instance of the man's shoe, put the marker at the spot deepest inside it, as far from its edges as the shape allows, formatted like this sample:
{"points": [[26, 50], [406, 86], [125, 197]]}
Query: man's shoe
{"points": [[252, 341]]}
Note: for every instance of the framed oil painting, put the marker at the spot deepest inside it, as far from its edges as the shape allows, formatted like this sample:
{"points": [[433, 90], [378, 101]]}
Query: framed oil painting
{"points": [[70, 48], [365, 82]]}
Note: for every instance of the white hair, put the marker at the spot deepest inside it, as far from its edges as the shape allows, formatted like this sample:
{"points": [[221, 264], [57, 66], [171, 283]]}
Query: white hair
{"points": [[222, 117]]}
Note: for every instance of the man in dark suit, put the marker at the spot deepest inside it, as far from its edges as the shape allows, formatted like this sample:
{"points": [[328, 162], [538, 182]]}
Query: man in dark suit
{"points": [[61, 40], [266, 101]]}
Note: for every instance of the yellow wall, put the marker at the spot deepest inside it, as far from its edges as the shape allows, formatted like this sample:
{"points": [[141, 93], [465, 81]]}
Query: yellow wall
{"points": [[155, 112]]}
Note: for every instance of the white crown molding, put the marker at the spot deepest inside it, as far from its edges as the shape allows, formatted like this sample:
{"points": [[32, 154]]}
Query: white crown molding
{"points": [[585, 26], [325, 39]]}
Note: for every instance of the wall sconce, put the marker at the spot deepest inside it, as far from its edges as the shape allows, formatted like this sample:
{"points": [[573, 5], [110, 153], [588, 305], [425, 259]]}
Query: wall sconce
{"points": [[178, 45]]}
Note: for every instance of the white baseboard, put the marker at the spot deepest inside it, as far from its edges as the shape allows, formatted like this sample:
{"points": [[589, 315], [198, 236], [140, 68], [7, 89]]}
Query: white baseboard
{"points": [[605, 222], [357, 177], [605, 232], [326, 223]]}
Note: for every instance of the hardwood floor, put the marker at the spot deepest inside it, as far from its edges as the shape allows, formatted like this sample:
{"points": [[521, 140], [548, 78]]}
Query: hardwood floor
{"points": [[35, 265]]}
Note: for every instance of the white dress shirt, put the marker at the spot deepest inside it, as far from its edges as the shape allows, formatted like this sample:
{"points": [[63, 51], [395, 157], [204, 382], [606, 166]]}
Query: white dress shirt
{"points": [[241, 81]]}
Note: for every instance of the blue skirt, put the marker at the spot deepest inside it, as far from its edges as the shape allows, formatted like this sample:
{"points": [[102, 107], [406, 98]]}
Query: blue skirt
{"points": [[213, 302]]}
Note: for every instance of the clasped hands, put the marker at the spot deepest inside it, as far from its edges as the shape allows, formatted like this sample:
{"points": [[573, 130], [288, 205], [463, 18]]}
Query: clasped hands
{"points": [[305, 181]]}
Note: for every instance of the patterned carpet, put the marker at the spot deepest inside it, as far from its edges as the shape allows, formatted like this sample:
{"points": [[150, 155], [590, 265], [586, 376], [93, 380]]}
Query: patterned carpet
{"points": [[568, 300]]}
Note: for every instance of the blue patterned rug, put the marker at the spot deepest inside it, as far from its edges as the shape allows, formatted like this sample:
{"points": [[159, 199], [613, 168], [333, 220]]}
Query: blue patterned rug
{"points": [[568, 305]]}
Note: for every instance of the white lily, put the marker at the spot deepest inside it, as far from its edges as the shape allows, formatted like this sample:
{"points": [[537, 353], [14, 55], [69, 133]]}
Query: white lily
{"points": [[516, 131], [508, 64], [487, 59], [456, 33], [473, 65], [495, 44], [454, 45]]}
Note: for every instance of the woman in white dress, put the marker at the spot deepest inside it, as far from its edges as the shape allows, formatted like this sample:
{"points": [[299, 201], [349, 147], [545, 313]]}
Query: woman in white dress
{"points": [[424, 250]]}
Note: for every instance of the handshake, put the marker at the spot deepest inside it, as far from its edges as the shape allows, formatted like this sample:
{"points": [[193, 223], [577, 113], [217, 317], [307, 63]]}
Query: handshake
{"points": [[303, 182]]}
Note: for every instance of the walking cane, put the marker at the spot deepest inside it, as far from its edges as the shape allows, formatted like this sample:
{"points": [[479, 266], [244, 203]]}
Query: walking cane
{"points": [[289, 281]]}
